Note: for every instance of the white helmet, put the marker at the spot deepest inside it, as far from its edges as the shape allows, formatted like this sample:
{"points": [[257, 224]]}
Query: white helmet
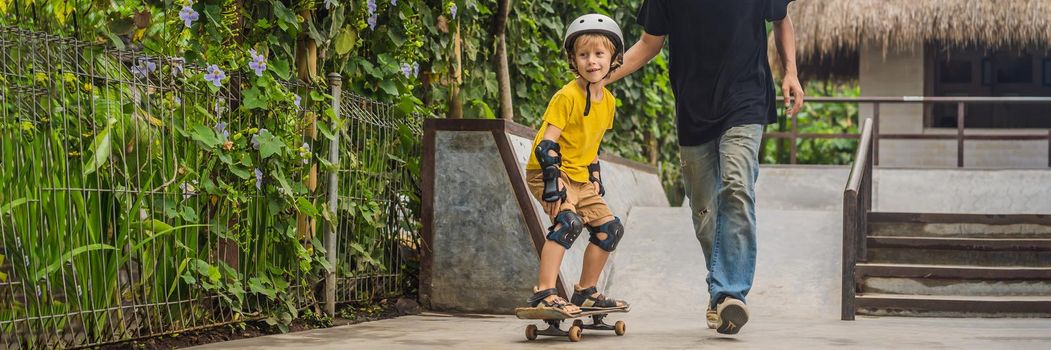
{"points": [[596, 24]]}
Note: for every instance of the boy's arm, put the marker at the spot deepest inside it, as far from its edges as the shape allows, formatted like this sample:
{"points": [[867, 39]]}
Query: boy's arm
{"points": [[785, 37], [548, 155], [638, 55], [552, 132]]}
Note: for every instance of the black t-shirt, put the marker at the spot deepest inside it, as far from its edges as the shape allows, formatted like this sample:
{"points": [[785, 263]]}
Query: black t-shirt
{"points": [[719, 70]]}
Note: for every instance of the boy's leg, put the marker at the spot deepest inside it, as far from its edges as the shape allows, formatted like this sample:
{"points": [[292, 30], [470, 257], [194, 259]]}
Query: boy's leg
{"points": [[552, 251], [606, 231], [594, 258], [732, 265]]}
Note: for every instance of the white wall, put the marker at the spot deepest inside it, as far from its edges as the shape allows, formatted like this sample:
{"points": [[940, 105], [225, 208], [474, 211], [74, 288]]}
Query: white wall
{"points": [[900, 72]]}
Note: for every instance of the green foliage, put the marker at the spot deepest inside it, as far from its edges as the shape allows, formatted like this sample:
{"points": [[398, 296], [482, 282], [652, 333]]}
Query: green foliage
{"points": [[819, 118], [181, 193]]}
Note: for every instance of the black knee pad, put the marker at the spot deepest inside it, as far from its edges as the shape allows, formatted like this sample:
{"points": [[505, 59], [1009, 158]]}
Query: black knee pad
{"points": [[567, 234], [614, 231]]}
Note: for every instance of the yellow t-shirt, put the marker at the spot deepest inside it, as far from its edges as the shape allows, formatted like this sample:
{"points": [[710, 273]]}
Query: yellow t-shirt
{"points": [[581, 135]]}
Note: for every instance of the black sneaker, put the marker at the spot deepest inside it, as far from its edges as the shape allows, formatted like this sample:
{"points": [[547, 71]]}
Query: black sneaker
{"points": [[733, 314]]}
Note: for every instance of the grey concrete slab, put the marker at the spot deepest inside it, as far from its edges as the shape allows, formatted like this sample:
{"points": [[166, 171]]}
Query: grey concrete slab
{"points": [[676, 331], [963, 191], [801, 187], [797, 269], [484, 259]]}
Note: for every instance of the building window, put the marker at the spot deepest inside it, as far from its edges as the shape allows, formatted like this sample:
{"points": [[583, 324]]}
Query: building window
{"points": [[956, 72], [1014, 68], [983, 72], [1047, 72]]}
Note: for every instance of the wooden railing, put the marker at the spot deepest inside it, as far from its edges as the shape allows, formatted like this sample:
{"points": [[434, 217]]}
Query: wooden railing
{"points": [[857, 202], [793, 134]]}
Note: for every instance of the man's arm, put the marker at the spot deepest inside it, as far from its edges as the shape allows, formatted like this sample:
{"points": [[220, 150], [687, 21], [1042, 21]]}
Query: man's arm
{"points": [[638, 55], [785, 37]]}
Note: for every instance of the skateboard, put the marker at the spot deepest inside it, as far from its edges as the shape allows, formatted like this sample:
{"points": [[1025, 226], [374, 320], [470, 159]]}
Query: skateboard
{"points": [[554, 319]]}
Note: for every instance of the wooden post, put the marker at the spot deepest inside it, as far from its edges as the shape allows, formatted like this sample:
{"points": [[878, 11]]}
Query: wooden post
{"points": [[875, 133], [795, 136], [503, 73], [959, 135], [850, 216], [455, 104], [306, 56]]}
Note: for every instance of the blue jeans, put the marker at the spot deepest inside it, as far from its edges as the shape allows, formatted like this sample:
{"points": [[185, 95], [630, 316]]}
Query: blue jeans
{"points": [[719, 177]]}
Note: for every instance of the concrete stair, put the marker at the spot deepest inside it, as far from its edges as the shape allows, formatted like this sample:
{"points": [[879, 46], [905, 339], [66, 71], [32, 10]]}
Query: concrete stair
{"points": [[956, 265]]}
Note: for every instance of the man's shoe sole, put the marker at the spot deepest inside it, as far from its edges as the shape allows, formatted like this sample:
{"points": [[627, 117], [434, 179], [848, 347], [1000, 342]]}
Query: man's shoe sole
{"points": [[732, 318]]}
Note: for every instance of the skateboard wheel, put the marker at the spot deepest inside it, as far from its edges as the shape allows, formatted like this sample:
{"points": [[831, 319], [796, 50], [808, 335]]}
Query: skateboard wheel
{"points": [[531, 332], [619, 328], [578, 323], [574, 334]]}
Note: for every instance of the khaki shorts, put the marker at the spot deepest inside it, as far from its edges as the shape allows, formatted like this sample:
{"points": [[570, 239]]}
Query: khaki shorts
{"points": [[581, 197]]}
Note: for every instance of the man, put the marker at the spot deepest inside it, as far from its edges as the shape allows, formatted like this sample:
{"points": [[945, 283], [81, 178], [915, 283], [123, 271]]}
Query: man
{"points": [[724, 96]]}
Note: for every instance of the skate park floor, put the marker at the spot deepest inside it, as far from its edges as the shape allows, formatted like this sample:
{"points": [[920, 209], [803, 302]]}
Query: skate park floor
{"points": [[676, 330], [659, 268], [794, 304]]}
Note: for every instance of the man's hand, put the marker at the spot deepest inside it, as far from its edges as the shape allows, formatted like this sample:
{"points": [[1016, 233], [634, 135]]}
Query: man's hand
{"points": [[791, 89], [785, 38]]}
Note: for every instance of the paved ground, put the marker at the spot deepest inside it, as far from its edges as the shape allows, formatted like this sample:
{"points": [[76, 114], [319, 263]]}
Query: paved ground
{"points": [[795, 302], [683, 331], [795, 299]]}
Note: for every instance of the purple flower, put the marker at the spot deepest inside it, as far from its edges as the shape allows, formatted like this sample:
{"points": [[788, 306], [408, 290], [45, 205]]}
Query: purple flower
{"points": [[406, 70], [255, 139], [177, 65], [258, 63], [220, 128], [296, 101], [188, 15], [258, 179], [177, 100], [372, 21], [215, 75], [143, 68], [394, 2], [372, 6], [416, 69], [452, 11]]}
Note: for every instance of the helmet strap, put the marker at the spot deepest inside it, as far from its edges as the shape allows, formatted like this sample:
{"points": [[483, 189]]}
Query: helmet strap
{"points": [[587, 98]]}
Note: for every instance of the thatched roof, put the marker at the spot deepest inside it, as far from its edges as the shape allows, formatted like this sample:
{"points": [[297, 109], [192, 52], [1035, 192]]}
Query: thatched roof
{"points": [[832, 30]]}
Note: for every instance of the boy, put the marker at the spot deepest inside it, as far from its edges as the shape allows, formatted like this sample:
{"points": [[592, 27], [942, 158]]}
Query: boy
{"points": [[563, 172]]}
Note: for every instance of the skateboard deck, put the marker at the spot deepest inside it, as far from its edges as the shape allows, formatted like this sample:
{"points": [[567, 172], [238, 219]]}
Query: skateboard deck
{"points": [[554, 317]]}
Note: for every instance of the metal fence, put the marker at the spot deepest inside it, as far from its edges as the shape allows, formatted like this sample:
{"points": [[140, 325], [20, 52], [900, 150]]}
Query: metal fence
{"points": [[960, 102], [127, 209]]}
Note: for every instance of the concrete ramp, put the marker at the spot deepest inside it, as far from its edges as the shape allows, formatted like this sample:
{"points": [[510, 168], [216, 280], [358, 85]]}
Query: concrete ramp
{"points": [[799, 214], [660, 265], [482, 229]]}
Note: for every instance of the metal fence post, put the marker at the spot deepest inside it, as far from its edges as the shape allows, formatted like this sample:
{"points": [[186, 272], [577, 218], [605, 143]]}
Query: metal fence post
{"points": [[336, 83]]}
